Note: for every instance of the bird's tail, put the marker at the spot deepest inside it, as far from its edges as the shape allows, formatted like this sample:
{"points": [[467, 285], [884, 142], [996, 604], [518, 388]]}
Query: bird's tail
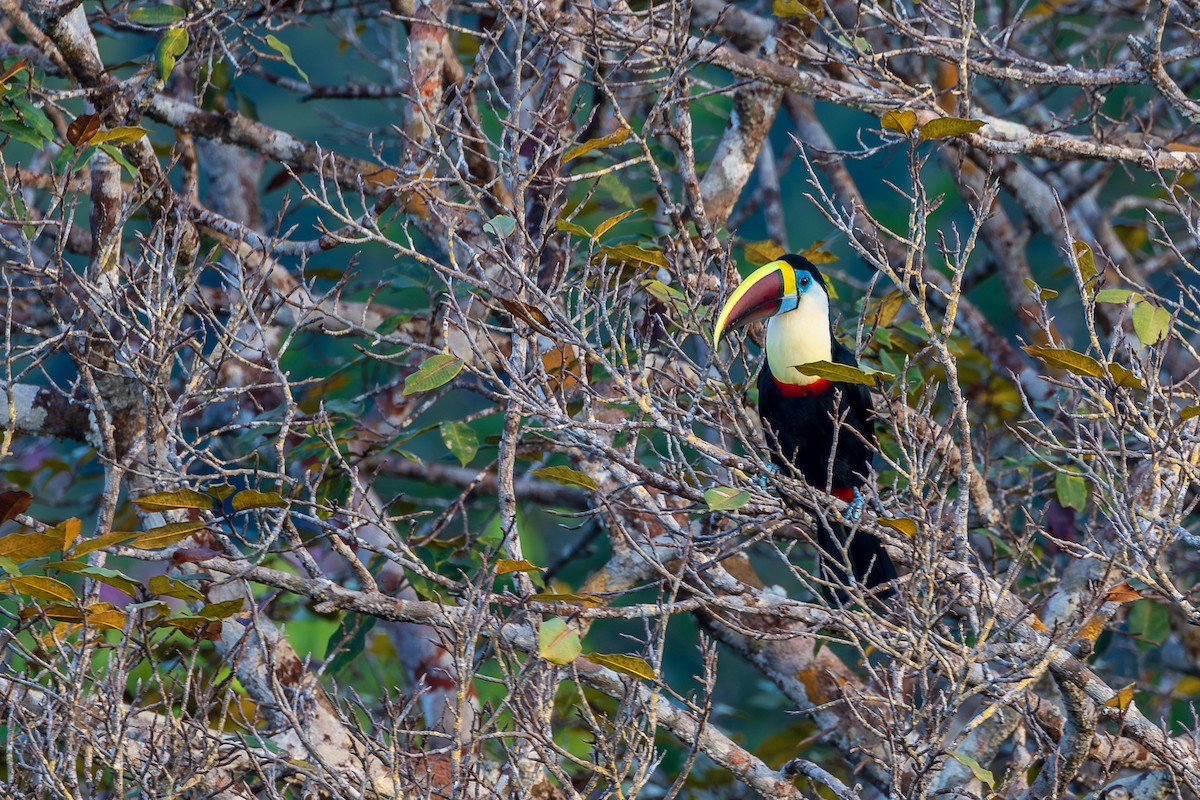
{"points": [[869, 563]]}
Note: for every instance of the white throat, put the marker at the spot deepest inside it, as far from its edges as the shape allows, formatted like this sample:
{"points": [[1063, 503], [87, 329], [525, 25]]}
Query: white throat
{"points": [[799, 337]]}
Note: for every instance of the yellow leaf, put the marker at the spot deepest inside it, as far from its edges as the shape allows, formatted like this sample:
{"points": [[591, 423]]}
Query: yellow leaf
{"points": [[120, 135], [558, 643], [631, 252], [38, 586], [608, 224], [903, 525], [566, 476], [100, 542], [764, 252], [889, 306], [250, 498], [24, 546], [180, 498], [628, 665], [596, 144], [1122, 699], [166, 535], [1069, 360], [903, 122], [1085, 259], [1125, 377], [796, 8], [589, 600], [946, 127], [506, 565], [842, 373]]}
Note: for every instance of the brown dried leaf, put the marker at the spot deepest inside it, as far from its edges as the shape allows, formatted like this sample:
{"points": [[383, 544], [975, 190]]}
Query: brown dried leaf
{"points": [[13, 503], [82, 129], [1122, 593]]}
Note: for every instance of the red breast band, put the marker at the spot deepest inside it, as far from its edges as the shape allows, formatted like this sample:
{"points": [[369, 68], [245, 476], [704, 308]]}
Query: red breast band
{"points": [[818, 386], [845, 494]]}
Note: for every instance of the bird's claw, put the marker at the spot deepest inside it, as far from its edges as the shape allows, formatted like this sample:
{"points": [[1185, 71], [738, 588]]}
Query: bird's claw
{"points": [[854, 509], [764, 478]]}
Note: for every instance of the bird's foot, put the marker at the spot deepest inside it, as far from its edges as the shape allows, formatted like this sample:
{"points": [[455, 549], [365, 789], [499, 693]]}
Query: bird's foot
{"points": [[854, 509], [764, 478]]}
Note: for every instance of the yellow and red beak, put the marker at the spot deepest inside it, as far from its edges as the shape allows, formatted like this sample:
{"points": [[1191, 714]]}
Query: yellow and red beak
{"points": [[769, 290]]}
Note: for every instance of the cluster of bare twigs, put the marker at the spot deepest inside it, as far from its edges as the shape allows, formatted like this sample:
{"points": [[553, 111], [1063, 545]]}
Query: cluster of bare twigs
{"points": [[437, 376]]}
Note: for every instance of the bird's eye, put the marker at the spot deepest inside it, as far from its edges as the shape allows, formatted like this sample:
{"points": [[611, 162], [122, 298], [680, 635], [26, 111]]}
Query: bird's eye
{"points": [[804, 281]]}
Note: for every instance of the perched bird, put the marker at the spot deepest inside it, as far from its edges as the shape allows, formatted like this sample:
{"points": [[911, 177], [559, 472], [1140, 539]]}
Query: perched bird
{"points": [[805, 417]]}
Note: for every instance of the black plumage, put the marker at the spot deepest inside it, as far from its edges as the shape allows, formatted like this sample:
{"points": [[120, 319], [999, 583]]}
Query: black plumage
{"points": [[802, 424]]}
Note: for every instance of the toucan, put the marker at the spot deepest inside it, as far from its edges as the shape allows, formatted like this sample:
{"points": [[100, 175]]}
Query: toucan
{"points": [[824, 430]]}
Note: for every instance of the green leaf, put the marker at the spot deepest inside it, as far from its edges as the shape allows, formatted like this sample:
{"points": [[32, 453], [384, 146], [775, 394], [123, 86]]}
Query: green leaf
{"points": [[558, 643], [1072, 491], [163, 586], [842, 373], [111, 577], [902, 122], [35, 118], [946, 127], [567, 477], [166, 535], [250, 498], [216, 611], [608, 224], [461, 440], [571, 227], [500, 226], [1150, 322], [160, 15], [1149, 621], [435, 371], [1117, 295], [507, 565], [978, 771], [1069, 360], [1188, 412], [627, 665], [171, 46], [786, 9], [1043, 294], [286, 52], [180, 498], [634, 253], [726, 498], [762, 253], [611, 140], [349, 651], [22, 133], [119, 157]]}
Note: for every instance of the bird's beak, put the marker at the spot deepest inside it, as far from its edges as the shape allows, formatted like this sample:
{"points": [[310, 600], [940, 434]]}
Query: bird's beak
{"points": [[759, 296]]}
